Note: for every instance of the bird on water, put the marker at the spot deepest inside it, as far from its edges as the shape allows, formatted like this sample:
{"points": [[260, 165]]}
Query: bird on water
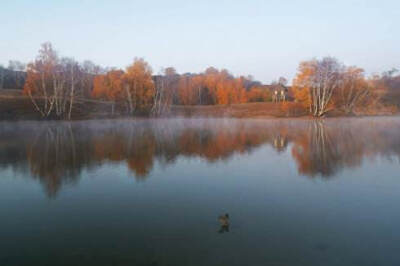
{"points": [[224, 222]]}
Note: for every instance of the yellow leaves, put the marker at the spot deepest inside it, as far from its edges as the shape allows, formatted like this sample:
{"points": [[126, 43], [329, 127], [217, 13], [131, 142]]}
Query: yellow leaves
{"points": [[139, 83]]}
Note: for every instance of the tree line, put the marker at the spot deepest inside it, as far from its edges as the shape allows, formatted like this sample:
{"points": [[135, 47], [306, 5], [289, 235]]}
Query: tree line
{"points": [[59, 85]]}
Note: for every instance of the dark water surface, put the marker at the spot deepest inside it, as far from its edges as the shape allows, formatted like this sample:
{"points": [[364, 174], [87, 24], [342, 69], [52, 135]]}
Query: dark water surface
{"points": [[149, 192]]}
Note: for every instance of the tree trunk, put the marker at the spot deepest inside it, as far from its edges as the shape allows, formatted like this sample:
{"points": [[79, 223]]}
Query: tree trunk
{"points": [[71, 96], [128, 92]]}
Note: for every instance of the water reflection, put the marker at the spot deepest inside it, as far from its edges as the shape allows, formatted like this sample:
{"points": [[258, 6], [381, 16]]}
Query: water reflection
{"points": [[55, 153]]}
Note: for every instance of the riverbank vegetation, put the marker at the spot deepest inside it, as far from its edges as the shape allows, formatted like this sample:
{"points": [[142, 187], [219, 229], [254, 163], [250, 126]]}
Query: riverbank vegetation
{"points": [[54, 87]]}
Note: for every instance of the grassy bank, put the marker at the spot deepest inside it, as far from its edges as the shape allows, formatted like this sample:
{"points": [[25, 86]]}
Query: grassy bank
{"points": [[15, 106]]}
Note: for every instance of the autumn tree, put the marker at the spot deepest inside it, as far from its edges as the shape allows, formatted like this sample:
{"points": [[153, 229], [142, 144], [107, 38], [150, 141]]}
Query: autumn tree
{"points": [[213, 86], [133, 89], [353, 90], [43, 82], [259, 94], [187, 96], [239, 93], [315, 83], [109, 87], [138, 85], [211, 79], [53, 83], [387, 85]]}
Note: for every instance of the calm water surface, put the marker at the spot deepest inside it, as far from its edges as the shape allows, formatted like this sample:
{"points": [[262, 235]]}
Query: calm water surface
{"points": [[298, 192]]}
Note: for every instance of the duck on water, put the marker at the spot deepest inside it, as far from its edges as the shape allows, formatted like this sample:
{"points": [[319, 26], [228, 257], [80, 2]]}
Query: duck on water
{"points": [[224, 222]]}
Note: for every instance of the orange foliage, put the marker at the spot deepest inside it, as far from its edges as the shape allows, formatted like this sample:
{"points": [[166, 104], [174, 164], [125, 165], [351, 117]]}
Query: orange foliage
{"points": [[108, 86], [211, 87], [301, 90], [134, 88], [139, 86], [258, 94]]}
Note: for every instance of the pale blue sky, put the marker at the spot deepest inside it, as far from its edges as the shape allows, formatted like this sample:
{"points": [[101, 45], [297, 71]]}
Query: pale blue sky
{"points": [[266, 39]]}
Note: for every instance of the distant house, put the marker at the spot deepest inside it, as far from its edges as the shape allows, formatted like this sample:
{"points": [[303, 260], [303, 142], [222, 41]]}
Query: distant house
{"points": [[280, 93]]}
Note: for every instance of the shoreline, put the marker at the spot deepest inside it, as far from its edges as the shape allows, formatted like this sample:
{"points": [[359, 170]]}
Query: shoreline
{"points": [[21, 109]]}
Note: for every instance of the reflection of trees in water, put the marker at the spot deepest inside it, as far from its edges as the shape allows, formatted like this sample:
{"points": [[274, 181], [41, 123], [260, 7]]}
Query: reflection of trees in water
{"points": [[280, 143], [136, 147], [325, 147], [56, 153], [315, 150], [56, 157]]}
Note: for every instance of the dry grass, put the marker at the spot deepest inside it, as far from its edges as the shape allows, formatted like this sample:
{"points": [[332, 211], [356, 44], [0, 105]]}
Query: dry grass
{"points": [[244, 110], [17, 108], [20, 107], [13, 106], [6, 93]]}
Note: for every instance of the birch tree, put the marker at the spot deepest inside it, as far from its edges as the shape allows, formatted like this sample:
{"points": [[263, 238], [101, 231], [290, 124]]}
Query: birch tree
{"points": [[166, 86], [41, 83], [318, 79], [51, 83]]}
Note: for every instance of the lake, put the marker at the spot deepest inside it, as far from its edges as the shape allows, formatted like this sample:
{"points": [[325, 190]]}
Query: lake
{"points": [[150, 192]]}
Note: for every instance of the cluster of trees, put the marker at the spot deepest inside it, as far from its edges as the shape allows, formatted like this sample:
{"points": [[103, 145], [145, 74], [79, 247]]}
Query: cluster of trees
{"points": [[388, 85], [132, 89], [54, 83], [212, 87], [136, 88], [327, 84], [57, 85]]}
